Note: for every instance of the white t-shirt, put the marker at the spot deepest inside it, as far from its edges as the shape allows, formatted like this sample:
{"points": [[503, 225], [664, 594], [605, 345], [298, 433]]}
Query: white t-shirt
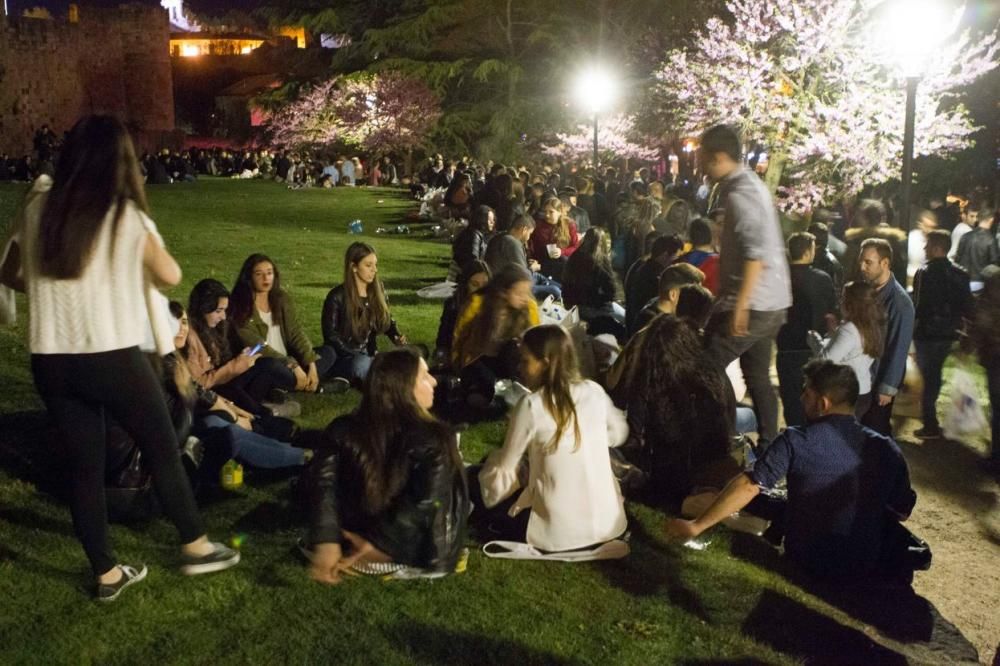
{"points": [[573, 495], [102, 310], [274, 338]]}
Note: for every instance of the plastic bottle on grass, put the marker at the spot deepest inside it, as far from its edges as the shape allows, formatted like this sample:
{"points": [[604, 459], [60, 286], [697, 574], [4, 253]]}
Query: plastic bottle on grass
{"points": [[232, 475]]}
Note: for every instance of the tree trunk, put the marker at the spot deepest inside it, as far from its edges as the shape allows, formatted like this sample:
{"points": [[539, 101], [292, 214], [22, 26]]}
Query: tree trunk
{"points": [[775, 167]]}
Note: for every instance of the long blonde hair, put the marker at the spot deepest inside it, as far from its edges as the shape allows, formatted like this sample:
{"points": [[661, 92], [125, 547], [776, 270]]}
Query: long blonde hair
{"points": [[553, 346]]}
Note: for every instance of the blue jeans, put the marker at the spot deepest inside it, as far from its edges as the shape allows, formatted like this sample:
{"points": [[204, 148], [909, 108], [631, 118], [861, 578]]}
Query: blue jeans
{"points": [[746, 420], [545, 287], [931, 355], [352, 366], [253, 448]]}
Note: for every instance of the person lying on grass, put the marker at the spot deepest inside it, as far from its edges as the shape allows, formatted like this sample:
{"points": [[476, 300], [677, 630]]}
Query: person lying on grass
{"points": [[848, 487], [389, 486], [569, 498]]}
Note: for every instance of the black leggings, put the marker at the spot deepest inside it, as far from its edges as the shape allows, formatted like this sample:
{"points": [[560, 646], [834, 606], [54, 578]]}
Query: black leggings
{"points": [[76, 389], [251, 388]]}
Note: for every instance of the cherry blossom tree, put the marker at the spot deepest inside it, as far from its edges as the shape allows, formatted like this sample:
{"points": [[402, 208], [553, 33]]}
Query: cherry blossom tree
{"points": [[377, 113], [616, 138], [807, 79]]}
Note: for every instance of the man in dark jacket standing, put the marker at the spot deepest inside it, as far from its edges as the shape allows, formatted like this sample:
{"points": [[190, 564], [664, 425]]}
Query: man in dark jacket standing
{"points": [[978, 249], [890, 369], [813, 301], [941, 298]]}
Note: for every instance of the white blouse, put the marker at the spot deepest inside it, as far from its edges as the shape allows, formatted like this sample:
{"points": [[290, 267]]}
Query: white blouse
{"points": [[102, 310], [275, 340], [845, 346], [573, 495]]}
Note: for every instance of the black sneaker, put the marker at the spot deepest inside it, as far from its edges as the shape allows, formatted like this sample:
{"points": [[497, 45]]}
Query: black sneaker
{"points": [[219, 559], [929, 432], [129, 576], [335, 386]]}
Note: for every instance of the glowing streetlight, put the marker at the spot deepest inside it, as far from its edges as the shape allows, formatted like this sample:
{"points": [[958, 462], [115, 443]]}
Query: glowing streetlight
{"points": [[911, 31], [595, 90]]}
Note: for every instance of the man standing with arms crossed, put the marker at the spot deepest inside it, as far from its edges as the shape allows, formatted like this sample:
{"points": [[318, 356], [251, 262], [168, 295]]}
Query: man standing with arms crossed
{"points": [[755, 287]]}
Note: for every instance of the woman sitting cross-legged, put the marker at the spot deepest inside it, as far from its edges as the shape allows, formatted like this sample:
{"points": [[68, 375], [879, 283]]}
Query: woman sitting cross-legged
{"points": [[590, 284], [262, 313], [681, 412], [473, 279], [219, 422], [355, 312], [569, 498], [387, 492], [485, 345], [246, 379]]}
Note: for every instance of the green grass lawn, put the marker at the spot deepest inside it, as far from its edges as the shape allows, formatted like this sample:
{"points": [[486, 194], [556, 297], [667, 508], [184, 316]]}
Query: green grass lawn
{"points": [[664, 604]]}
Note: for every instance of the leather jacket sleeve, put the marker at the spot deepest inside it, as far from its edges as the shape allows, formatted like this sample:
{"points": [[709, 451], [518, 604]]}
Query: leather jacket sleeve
{"points": [[332, 320], [324, 519]]}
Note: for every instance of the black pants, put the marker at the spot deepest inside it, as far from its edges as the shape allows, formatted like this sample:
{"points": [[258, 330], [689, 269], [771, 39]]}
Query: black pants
{"points": [[495, 523], [878, 417], [77, 389], [251, 388], [790, 383]]}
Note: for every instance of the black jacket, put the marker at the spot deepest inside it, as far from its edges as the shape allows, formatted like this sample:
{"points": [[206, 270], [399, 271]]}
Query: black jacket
{"points": [[977, 250], [334, 318], [812, 299], [423, 526], [941, 298], [469, 246]]}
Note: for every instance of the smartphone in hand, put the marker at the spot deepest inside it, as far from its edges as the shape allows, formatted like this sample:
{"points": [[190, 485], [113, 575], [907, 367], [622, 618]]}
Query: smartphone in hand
{"points": [[256, 348]]}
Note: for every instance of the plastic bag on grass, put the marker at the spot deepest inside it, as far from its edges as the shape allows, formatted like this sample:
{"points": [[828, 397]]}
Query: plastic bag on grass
{"points": [[965, 415]]}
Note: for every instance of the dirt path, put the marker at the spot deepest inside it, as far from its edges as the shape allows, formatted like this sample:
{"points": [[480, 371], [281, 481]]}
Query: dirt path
{"points": [[958, 514]]}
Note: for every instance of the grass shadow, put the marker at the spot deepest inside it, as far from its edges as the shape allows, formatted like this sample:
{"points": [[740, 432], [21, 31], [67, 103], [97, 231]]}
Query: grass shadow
{"points": [[652, 570], [432, 645]]}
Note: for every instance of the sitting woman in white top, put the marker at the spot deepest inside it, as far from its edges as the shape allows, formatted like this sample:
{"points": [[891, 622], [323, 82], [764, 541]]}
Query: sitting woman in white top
{"points": [[858, 340], [569, 498]]}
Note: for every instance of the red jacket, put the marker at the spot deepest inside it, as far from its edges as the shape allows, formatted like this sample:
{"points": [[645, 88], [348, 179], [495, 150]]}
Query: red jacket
{"points": [[545, 234]]}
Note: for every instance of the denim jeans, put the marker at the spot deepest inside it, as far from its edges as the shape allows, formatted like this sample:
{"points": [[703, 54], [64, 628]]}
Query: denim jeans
{"points": [[754, 352], [746, 420], [253, 448], [931, 355], [544, 287], [352, 366]]}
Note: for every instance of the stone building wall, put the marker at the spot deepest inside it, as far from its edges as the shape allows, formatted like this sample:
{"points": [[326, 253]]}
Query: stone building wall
{"points": [[110, 61]]}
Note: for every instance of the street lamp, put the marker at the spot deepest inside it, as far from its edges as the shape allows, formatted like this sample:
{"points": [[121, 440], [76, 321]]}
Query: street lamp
{"points": [[595, 90], [912, 30]]}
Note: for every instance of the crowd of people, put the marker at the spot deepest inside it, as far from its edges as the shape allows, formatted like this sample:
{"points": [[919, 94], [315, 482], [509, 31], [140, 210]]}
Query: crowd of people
{"points": [[686, 290]]}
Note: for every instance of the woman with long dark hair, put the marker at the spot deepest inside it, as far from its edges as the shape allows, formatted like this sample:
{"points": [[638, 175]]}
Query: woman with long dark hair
{"points": [[484, 348], [355, 313], [565, 427], [590, 283], [858, 340], [263, 314], [246, 379], [681, 412], [470, 243], [85, 235], [390, 486]]}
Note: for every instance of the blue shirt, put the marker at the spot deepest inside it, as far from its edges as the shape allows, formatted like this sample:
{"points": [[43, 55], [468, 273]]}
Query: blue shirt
{"points": [[751, 231], [899, 314], [844, 482]]}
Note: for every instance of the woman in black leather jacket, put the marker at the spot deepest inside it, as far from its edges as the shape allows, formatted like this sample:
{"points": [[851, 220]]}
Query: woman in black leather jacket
{"points": [[470, 243], [388, 488], [355, 313]]}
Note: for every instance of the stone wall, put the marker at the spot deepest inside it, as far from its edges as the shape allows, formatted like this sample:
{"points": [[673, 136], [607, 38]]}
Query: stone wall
{"points": [[113, 61]]}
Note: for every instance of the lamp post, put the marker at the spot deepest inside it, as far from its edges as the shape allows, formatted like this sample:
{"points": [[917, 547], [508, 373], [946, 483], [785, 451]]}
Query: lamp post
{"points": [[595, 90], [912, 30]]}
